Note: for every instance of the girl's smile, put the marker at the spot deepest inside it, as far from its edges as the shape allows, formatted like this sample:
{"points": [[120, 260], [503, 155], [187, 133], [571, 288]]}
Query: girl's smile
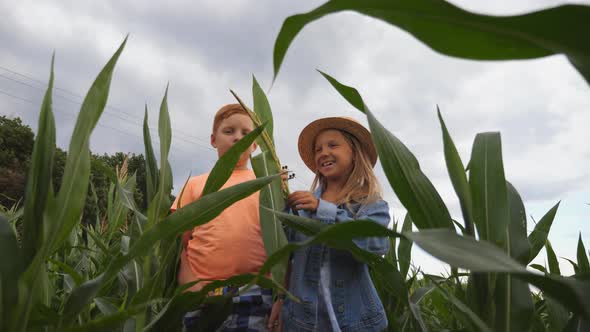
{"points": [[333, 155]]}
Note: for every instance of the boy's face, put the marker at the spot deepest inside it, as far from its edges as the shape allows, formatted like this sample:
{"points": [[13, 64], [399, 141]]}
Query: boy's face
{"points": [[230, 131]]}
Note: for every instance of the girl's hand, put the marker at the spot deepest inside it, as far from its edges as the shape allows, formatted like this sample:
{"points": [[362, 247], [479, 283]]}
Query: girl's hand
{"points": [[303, 200], [275, 323]]}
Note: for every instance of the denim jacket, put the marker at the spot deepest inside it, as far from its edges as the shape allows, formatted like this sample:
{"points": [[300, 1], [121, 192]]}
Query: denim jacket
{"points": [[352, 295]]}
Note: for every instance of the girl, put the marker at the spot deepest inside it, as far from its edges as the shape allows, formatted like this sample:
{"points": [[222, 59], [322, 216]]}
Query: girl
{"points": [[336, 291]]}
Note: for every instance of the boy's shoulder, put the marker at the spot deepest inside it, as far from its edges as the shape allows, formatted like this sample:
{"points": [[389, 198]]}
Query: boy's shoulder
{"points": [[199, 178], [196, 182]]}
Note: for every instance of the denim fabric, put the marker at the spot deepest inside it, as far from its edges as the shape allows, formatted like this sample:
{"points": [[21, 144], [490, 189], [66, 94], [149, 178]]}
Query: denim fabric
{"points": [[352, 295]]}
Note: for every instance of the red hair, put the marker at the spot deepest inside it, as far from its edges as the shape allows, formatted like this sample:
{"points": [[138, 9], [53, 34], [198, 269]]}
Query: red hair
{"points": [[225, 112]]}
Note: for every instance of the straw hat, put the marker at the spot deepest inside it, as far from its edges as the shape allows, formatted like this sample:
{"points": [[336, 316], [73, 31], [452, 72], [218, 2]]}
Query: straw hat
{"points": [[351, 126]]}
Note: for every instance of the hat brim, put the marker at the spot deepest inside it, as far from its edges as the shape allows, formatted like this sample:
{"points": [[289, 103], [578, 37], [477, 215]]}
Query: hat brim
{"points": [[311, 131]]}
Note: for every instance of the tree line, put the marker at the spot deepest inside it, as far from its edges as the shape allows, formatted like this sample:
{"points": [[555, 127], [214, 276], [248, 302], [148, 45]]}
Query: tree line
{"points": [[16, 147]]}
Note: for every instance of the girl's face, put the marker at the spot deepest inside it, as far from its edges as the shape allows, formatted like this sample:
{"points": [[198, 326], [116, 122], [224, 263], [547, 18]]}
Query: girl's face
{"points": [[333, 155]]}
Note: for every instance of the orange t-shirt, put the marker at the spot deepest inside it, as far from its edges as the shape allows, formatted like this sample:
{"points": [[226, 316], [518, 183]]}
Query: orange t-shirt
{"points": [[229, 244]]}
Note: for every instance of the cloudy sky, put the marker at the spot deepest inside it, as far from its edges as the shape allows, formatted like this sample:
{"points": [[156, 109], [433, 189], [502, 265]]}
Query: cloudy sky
{"points": [[204, 48]]}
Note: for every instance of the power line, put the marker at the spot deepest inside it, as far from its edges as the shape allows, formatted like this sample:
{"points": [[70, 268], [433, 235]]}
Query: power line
{"points": [[105, 111], [200, 142], [130, 115], [68, 114], [35, 80]]}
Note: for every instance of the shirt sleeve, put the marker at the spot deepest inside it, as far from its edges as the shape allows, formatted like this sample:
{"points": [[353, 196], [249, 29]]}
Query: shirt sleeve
{"points": [[330, 213]]}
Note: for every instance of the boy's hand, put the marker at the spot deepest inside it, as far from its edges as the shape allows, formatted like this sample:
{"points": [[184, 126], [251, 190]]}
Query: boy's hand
{"points": [[303, 200], [275, 323]]}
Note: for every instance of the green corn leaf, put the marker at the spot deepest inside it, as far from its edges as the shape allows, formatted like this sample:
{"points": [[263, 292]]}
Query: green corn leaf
{"points": [[80, 297], [98, 242], [552, 259], [419, 294], [39, 177], [482, 256], [514, 304], [577, 324], [340, 236], [411, 186], [160, 204], [488, 188], [465, 313], [165, 135], [271, 197], [151, 168], [414, 301], [185, 218], [63, 212], [119, 203], [573, 264], [10, 269], [224, 167], [557, 315], [453, 31], [404, 251], [391, 255], [171, 315], [458, 177], [460, 251], [182, 192], [539, 267], [584, 266], [352, 96], [520, 248], [262, 109], [39, 194], [73, 190], [538, 236], [461, 227], [105, 306], [111, 321], [76, 277], [125, 192], [165, 278], [537, 323], [265, 140]]}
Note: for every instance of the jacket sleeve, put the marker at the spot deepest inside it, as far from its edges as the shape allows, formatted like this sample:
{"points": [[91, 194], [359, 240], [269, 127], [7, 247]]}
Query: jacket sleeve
{"points": [[330, 213]]}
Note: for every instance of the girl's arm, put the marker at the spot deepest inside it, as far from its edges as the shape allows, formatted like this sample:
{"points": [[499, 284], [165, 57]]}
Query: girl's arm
{"points": [[378, 212]]}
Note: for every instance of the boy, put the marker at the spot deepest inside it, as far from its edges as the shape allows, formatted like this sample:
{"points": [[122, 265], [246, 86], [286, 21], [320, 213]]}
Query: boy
{"points": [[231, 243]]}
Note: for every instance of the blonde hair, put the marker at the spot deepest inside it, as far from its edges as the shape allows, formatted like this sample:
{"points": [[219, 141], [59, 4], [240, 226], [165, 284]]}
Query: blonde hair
{"points": [[362, 185], [225, 112]]}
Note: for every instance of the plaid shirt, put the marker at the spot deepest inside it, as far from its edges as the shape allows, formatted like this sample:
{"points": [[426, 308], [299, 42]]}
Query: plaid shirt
{"points": [[249, 312]]}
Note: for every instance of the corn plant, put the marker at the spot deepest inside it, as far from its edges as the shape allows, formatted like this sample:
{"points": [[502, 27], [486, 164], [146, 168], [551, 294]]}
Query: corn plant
{"points": [[457, 32], [266, 163], [493, 248], [120, 273]]}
